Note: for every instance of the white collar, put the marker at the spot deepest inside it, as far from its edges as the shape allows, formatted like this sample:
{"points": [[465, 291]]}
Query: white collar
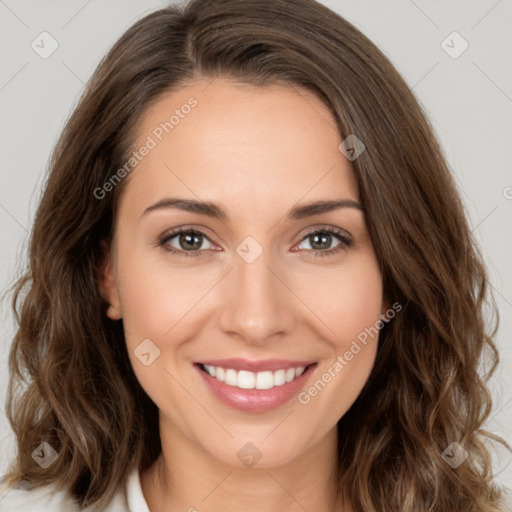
{"points": [[136, 501]]}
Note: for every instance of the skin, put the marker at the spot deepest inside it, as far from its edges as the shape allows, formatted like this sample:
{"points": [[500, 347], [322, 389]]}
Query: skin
{"points": [[257, 152]]}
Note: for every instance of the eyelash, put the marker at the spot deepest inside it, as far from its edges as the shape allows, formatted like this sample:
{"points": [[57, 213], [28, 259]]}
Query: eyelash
{"points": [[342, 237]]}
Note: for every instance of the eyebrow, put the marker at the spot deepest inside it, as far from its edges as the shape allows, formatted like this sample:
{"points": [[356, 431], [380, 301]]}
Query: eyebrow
{"points": [[213, 210]]}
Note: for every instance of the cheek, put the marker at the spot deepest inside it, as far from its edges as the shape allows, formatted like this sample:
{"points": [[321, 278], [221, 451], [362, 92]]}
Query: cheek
{"points": [[161, 302], [350, 305], [155, 296], [349, 299]]}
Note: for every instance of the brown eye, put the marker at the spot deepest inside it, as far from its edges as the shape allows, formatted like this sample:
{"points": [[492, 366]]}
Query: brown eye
{"points": [[184, 241], [320, 241]]}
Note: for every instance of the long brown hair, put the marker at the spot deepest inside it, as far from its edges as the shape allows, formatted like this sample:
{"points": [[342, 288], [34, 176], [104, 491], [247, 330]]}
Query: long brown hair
{"points": [[72, 384]]}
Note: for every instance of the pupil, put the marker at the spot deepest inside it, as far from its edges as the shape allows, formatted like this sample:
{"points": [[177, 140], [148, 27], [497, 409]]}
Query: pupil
{"points": [[325, 238], [189, 239]]}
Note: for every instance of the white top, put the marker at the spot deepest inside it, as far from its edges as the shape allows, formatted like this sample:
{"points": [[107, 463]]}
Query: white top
{"points": [[48, 499], [129, 499]]}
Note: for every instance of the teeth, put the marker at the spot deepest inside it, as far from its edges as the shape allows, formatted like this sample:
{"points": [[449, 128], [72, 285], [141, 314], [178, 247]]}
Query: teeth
{"points": [[279, 377], [251, 380], [264, 380], [219, 372], [246, 380], [231, 377]]}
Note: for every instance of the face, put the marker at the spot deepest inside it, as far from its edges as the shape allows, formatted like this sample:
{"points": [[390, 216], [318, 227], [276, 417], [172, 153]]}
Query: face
{"points": [[247, 326]]}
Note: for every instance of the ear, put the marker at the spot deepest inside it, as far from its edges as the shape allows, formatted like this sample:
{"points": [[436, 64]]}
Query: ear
{"points": [[107, 284]]}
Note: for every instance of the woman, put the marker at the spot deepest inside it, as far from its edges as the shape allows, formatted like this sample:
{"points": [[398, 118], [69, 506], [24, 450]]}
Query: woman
{"points": [[252, 284]]}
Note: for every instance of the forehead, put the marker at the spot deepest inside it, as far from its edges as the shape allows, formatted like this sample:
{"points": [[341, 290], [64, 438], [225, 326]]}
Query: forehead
{"points": [[236, 143]]}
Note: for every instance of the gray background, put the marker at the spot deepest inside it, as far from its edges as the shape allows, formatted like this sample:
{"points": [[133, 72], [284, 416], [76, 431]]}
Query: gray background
{"points": [[468, 99]]}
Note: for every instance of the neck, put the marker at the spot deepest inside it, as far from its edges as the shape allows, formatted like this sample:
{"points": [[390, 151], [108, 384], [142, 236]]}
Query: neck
{"points": [[186, 478]]}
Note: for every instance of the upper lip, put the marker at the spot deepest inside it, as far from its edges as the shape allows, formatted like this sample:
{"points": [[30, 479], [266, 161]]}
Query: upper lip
{"points": [[256, 366]]}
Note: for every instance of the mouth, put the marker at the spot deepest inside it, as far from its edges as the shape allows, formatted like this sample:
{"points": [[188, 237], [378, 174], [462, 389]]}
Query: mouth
{"points": [[255, 386]]}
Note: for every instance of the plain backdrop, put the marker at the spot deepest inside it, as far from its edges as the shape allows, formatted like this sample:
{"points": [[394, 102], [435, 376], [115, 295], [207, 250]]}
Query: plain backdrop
{"points": [[466, 94]]}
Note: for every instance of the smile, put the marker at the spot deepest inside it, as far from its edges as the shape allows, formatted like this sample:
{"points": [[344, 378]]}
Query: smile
{"points": [[254, 386], [244, 379]]}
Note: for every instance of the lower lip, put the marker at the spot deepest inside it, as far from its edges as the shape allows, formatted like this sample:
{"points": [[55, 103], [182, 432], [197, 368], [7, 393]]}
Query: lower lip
{"points": [[255, 400]]}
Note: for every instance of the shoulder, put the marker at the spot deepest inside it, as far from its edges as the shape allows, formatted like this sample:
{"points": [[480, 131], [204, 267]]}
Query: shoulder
{"points": [[52, 499], [42, 499]]}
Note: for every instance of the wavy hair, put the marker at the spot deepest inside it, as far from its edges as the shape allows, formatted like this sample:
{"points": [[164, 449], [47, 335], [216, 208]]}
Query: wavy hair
{"points": [[71, 382]]}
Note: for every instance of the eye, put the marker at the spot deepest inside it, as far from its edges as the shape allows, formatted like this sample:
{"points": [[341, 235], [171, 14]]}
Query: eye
{"points": [[189, 242], [320, 241]]}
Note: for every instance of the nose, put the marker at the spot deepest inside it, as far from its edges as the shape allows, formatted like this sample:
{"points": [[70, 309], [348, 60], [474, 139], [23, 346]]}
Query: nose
{"points": [[257, 304]]}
